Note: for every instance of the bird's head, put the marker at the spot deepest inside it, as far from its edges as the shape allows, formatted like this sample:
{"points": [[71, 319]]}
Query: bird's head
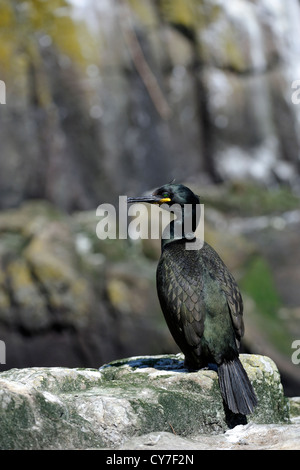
{"points": [[183, 203], [169, 194]]}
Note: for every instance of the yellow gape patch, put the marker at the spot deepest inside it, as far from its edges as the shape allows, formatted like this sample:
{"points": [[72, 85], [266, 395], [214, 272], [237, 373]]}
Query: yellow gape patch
{"points": [[164, 199]]}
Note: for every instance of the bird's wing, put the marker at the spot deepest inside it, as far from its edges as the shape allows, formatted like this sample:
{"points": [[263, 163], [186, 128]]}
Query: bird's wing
{"points": [[229, 287], [181, 303]]}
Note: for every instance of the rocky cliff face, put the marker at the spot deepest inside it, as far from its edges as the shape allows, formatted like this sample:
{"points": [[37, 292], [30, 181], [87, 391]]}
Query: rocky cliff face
{"points": [[62, 302], [112, 97]]}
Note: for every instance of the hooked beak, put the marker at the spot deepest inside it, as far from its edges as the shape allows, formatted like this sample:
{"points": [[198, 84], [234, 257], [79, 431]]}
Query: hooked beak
{"points": [[151, 199]]}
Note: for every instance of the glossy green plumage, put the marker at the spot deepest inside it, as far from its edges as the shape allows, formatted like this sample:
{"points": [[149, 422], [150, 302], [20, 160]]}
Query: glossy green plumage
{"points": [[201, 301]]}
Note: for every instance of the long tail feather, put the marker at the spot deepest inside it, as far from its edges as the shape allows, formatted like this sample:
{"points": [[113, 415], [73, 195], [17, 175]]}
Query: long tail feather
{"points": [[236, 387]]}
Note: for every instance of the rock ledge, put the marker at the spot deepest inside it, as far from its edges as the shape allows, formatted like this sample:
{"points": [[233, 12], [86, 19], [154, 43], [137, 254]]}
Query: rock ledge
{"points": [[60, 408]]}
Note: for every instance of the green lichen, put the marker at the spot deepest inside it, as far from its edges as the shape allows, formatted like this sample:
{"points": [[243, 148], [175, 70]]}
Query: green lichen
{"points": [[144, 11], [294, 404], [182, 409], [258, 283], [273, 405], [179, 12], [250, 199], [193, 15], [22, 24], [46, 408], [233, 53], [151, 416]]}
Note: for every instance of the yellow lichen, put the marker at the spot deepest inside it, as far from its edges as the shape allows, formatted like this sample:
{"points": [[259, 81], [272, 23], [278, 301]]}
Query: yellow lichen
{"points": [[144, 10], [179, 12], [19, 274], [118, 293], [23, 26]]}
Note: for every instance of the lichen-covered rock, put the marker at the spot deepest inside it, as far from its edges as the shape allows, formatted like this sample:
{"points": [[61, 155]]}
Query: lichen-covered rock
{"points": [[81, 300], [58, 408], [203, 397], [295, 409], [81, 88]]}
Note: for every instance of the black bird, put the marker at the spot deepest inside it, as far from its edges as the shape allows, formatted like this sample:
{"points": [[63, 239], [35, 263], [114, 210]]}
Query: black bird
{"points": [[200, 299]]}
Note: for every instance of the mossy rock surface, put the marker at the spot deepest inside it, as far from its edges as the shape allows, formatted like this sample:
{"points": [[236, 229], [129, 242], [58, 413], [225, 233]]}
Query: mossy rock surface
{"points": [[60, 408]]}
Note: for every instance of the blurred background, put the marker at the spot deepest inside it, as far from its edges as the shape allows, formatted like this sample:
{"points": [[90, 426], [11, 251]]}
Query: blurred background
{"points": [[117, 97]]}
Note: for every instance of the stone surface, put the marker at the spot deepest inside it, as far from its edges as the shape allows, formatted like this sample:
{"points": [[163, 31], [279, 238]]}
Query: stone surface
{"points": [[59, 408], [243, 437]]}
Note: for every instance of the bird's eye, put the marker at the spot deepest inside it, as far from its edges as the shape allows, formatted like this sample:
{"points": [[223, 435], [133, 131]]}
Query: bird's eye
{"points": [[165, 195]]}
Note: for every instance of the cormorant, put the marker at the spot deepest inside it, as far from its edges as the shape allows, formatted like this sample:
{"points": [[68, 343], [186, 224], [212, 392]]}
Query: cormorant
{"points": [[200, 299]]}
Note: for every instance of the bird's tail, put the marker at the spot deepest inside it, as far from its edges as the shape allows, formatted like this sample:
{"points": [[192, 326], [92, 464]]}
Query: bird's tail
{"points": [[236, 387]]}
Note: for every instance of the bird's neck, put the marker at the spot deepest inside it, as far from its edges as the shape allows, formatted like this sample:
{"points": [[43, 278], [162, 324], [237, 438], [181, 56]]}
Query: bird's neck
{"points": [[184, 226]]}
